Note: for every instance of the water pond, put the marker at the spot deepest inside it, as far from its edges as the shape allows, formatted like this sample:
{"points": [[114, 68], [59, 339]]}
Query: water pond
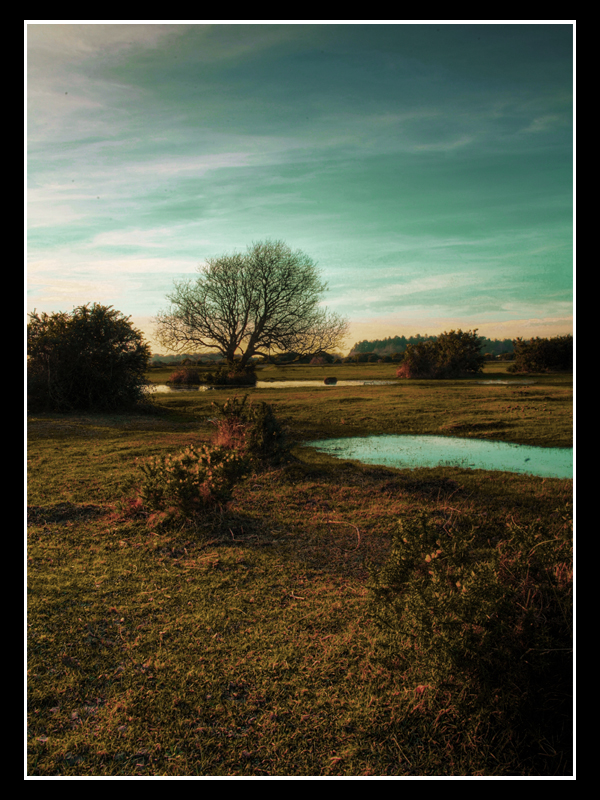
{"points": [[408, 452]]}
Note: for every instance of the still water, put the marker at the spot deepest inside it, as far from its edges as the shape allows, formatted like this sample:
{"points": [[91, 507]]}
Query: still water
{"points": [[406, 452]]}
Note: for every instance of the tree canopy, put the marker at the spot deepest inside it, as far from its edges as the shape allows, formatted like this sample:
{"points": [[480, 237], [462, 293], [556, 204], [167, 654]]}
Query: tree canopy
{"points": [[264, 301], [90, 359]]}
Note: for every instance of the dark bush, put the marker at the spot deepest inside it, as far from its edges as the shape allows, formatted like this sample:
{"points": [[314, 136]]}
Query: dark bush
{"points": [[232, 375], [419, 361], [452, 354], [90, 359], [185, 376], [543, 355]]}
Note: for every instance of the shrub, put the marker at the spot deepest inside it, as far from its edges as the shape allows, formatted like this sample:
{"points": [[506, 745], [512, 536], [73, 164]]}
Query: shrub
{"points": [[481, 628], [253, 429], [192, 481], [543, 355], [229, 374], [185, 376], [459, 353], [451, 355], [419, 361], [90, 359]]}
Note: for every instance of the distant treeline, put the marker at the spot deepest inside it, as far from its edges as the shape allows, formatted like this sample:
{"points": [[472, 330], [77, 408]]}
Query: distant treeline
{"points": [[398, 344]]}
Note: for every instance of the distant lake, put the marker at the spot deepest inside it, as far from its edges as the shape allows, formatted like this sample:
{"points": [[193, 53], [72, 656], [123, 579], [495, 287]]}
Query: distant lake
{"points": [[408, 452]]}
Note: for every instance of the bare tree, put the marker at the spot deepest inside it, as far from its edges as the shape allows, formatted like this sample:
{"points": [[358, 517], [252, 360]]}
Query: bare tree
{"points": [[258, 303]]}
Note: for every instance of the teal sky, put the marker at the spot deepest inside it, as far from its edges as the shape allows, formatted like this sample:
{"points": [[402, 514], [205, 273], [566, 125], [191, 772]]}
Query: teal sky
{"points": [[426, 168]]}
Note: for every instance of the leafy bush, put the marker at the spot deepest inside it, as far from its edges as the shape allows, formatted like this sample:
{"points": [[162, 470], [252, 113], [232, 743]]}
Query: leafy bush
{"points": [[185, 376], [192, 481], [543, 355], [90, 359], [481, 628], [451, 355], [253, 429]]}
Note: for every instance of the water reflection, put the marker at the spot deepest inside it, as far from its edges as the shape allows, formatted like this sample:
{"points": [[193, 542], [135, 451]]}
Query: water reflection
{"points": [[434, 451]]}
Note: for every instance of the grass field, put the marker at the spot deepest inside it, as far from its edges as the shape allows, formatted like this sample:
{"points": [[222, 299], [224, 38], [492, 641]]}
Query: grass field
{"points": [[244, 644]]}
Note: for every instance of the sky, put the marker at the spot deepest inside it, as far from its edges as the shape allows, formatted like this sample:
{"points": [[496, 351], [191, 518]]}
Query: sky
{"points": [[426, 168]]}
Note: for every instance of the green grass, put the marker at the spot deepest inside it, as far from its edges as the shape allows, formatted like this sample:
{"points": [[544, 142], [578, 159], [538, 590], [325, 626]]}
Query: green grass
{"points": [[244, 644]]}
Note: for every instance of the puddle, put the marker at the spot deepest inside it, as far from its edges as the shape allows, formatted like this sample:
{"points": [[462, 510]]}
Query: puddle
{"points": [[408, 452]]}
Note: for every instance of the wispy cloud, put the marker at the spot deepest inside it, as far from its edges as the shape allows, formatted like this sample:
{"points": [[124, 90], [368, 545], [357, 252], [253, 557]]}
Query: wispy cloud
{"points": [[427, 172], [543, 123], [442, 147]]}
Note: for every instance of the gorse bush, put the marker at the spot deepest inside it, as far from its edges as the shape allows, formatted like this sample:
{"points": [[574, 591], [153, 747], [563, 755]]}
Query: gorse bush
{"points": [[186, 484], [192, 481], [252, 428], [480, 627]]}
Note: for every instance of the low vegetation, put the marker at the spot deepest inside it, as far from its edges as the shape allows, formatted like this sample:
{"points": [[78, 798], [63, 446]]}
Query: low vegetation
{"points": [[298, 615]]}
